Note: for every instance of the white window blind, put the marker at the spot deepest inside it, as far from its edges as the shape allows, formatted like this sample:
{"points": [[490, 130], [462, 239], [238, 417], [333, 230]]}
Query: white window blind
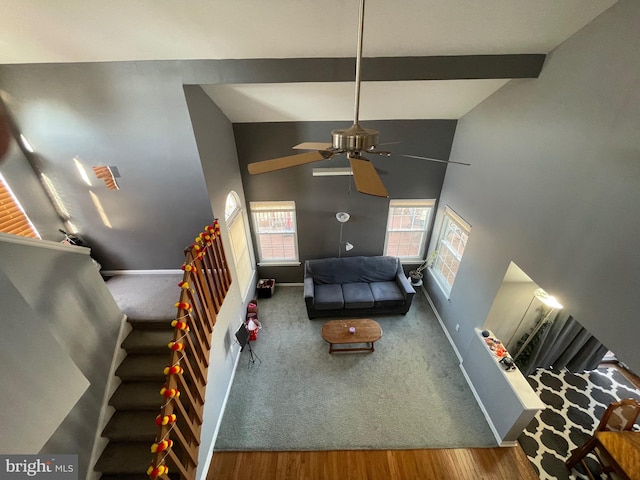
{"points": [[274, 225], [13, 219], [452, 241], [239, 242]]}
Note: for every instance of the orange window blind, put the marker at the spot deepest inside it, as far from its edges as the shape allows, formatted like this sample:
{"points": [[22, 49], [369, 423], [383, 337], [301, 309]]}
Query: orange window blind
{"points": [[12, 217]]}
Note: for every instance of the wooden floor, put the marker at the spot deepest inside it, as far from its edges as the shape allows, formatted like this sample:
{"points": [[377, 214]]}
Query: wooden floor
{"points": [[633, 378], [455, 464]]}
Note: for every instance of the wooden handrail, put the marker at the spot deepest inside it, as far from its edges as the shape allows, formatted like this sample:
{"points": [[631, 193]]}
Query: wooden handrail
{"points": [[204, 286]]}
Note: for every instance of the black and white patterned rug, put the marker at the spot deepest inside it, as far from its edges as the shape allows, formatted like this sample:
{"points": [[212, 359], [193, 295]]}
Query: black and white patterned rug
{"points": [[575, 404]]}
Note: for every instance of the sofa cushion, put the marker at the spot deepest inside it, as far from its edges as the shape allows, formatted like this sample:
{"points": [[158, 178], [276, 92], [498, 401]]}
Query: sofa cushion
{"points": [[386, 294], [328, 297], [352, 269], [357, 295]]}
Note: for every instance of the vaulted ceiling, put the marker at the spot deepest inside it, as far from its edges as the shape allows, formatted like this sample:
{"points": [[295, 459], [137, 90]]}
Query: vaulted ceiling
{"points": [[40, 31]]}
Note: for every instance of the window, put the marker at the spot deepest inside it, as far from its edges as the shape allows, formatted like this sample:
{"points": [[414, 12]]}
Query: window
{"points": [[451, 244], [13, 219], [234, 219], [274, 224], [407, 228]]}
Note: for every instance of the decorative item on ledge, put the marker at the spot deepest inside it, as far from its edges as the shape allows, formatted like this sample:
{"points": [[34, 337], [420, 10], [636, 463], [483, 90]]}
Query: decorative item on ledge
{"points": [[499, 350]]}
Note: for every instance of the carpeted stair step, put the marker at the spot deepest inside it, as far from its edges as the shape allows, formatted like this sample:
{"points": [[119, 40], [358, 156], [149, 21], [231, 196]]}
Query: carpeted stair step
{"points": [[148, 341], [137, 396], [132, 426], [143, 367], [151, 324], [125, 458], [149, 297]]}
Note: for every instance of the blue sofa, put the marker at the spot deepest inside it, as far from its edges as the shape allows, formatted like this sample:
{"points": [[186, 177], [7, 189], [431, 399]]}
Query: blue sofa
{"points": [[356, 287]]}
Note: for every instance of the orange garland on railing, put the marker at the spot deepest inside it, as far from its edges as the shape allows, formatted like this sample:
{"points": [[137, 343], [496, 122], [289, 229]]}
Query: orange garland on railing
{"points": [[203, 241]]}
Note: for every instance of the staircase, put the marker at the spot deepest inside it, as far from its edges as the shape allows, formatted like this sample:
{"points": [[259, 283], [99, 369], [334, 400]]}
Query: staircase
{"points": [[132, 428], [149, 302]]}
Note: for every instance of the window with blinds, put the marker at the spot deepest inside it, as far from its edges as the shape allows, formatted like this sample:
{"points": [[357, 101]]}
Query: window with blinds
{"points": [[234, 218], [13, 219], [408, 226], [274, 225], [452, 241]]}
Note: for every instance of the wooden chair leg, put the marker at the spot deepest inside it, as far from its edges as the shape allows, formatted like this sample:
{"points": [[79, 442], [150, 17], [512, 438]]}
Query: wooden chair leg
{"points": [[586, 469], [579, 453]]}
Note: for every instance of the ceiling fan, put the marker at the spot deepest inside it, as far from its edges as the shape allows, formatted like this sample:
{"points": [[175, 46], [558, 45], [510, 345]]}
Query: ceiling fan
{"points": [[354, 141]]}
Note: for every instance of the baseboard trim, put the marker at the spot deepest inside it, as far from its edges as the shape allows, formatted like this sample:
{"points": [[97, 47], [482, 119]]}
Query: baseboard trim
{"points": [[140, 272], [501, 443], [99, 442], [290, 284], [444, 329]]}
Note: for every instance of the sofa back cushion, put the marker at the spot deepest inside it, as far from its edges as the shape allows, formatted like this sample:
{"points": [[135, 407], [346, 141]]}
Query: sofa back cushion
{"points": [[352, 269]]}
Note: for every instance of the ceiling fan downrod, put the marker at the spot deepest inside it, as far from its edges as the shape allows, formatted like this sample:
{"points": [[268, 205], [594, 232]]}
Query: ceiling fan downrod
{"points": [[356, 138]]}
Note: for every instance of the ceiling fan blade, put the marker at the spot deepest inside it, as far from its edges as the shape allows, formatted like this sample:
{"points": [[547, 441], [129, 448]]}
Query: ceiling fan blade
{"points": [[366, 177], [435, 160], [313, 146], [287, 162]]}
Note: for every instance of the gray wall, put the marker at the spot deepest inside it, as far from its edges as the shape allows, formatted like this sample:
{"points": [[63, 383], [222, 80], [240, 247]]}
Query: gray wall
{"points": [[60, 292], [130, 115], [133, 115], [319, 198], [26, 185], [554, 186], [214, 136]]}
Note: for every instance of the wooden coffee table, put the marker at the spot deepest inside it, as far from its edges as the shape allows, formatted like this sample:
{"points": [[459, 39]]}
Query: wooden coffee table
{"points": [[336, 332]]}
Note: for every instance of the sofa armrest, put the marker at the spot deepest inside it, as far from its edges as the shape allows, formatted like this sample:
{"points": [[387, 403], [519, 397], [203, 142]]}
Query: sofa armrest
{"points": [[309, 289], [405, 285], [309, 296]]}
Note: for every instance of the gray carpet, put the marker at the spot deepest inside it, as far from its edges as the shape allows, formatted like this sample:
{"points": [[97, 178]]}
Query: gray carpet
{"points": [[146, 297], [407, 394]]}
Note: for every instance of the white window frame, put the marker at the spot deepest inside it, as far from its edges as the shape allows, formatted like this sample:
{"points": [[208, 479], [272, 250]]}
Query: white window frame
{"points": [[424, 231], [235, 222], [273, 207], [451, 222]]}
